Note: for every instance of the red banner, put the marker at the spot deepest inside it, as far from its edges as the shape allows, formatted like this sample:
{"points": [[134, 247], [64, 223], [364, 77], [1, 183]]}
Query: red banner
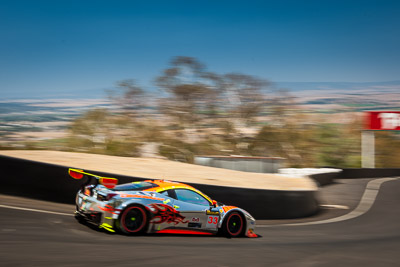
{"points": [[382, 120]]}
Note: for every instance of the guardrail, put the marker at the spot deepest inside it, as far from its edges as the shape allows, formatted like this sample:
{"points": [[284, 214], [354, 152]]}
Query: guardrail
{"points": [[51, 182], [241, 163]]}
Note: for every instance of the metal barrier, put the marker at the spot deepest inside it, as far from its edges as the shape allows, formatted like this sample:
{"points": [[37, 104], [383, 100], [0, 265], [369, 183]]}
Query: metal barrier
{"points": [[239, 163]]}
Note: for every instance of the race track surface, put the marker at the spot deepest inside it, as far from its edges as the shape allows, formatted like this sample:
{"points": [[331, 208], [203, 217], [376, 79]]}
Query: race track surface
{"points": [[32, 238]]}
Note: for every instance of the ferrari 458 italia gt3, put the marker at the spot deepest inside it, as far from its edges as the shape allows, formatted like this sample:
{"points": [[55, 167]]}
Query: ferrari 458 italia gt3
{"points": [[156, 206]]}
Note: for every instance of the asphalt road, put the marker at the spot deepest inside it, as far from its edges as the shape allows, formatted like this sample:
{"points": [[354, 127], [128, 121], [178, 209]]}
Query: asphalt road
{"points": [[31, 238]]}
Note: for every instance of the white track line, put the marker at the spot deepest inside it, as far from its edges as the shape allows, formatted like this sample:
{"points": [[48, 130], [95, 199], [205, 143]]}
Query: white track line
{"points": [[365, 204], [329, 206], [35, 210]]}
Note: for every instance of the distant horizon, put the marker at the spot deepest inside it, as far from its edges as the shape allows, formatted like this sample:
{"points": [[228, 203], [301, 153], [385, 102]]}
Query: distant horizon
{"points": [[100, 93]]}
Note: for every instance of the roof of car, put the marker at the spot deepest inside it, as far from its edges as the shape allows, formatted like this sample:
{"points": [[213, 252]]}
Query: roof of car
{"points": [[166, 185]]}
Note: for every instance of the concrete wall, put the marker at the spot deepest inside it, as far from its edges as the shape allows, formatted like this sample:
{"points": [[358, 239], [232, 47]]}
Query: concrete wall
{"points": [[247, 164], [369, 173], [52, 183]]}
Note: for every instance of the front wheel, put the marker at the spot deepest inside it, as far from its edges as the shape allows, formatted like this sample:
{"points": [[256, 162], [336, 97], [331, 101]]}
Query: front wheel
{"points": [[133, 220], [233, 225]]}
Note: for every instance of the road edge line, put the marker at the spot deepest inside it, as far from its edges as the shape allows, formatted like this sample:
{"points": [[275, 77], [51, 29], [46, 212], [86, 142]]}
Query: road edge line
{"points": [[35, 210], [366, 202]]}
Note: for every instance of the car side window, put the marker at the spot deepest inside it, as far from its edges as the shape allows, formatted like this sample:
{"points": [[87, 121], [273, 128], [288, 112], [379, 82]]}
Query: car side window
{"points": [[168, 193], [191, 197]]}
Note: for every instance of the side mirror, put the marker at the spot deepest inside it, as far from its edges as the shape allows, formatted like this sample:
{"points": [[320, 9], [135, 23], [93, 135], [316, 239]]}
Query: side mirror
{"points": [[214, 202]]}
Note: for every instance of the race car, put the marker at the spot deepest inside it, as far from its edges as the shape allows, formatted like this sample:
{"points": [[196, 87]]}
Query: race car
{"points": [[156, 206]]}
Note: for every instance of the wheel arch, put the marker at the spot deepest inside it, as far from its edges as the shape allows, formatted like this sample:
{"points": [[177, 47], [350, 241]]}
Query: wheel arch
{"points": [[227, 216], [134, 204], [117, 221]]}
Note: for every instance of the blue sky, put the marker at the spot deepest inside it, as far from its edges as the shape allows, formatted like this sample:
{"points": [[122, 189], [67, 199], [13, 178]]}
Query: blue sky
{"points": [[51, 47]]}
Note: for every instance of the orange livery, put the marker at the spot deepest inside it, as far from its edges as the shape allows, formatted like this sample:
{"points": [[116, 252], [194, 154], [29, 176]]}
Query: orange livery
{"points": [[156, 206]]}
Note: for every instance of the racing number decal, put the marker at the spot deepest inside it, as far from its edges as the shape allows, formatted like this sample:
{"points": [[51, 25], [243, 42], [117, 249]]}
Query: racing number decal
{"points": [[212, 221]]}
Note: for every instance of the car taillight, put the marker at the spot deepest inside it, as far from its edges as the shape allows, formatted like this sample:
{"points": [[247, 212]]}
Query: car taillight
{"points": [[110, 196]]}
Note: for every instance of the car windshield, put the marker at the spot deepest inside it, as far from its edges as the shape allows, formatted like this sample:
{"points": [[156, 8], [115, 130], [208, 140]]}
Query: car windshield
{"points": [[135, 186]]}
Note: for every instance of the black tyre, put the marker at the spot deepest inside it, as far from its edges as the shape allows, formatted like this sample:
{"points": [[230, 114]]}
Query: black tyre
{"points": [[233, 225], [133, 220]]}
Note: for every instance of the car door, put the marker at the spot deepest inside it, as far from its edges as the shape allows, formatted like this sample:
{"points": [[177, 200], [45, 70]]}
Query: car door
{"points": [[195, 209]]}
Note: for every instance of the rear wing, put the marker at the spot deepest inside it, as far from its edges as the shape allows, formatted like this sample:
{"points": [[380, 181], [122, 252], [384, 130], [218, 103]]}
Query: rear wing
{"points": [[77, 174]]}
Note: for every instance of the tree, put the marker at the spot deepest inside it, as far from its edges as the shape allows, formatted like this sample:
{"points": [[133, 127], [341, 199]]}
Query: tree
{"points": [[191, 91], [98, 131], [245, 95], [387, 145], [91, 131], [129, 97]]}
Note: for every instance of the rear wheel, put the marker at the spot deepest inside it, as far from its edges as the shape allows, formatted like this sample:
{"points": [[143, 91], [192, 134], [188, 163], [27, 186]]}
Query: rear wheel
{"points": [[133, 220], [233, 225]]}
